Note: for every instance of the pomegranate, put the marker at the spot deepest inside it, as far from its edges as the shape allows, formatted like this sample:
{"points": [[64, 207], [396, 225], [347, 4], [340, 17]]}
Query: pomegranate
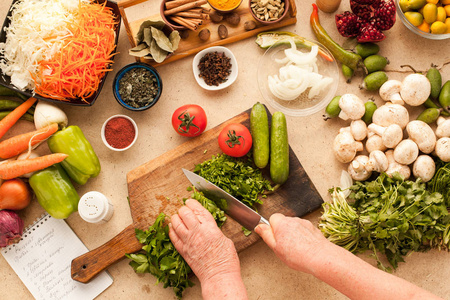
{"points": [[368, 20]]}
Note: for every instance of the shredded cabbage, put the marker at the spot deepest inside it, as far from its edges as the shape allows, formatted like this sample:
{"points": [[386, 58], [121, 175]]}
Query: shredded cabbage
{"points": [[35, 33]]}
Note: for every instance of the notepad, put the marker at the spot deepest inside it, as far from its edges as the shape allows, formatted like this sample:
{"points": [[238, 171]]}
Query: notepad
{"points": [[42, 260]]}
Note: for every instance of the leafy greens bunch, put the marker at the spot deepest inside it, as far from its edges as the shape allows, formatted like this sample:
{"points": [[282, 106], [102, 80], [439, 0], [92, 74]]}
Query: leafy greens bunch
{"points": [[441, 181], [159, 256], [236, 176], [390, 216]]}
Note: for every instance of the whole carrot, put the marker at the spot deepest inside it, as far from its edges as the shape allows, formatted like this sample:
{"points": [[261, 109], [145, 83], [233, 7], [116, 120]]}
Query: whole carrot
{"points": [[19, 143], [7, 122], [16, 168]]}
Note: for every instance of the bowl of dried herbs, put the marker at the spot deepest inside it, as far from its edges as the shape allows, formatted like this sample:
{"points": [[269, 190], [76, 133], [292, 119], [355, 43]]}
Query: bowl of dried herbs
{"points": [[137, 86]]}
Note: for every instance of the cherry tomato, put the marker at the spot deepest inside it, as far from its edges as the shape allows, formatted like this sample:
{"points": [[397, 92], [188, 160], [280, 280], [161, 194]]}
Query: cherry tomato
{"points": [[189, 120], [235, 140]]}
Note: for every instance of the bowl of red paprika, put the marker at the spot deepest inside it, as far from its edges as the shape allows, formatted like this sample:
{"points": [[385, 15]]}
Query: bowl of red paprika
{"points": [[119, 132]]}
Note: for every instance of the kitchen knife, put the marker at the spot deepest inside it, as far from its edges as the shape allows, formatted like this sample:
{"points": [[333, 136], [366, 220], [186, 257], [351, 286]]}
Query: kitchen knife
{"points": [[237, 210]]}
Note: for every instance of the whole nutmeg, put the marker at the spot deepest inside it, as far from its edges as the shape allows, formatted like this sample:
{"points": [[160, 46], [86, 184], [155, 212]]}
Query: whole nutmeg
{"points": [[249, 25], [233, 19], [204, 34], [223, 31], [215, 16]]}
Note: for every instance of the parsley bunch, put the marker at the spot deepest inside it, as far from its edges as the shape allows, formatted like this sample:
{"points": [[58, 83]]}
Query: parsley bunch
{"points": [[236, 176], [390, 216]]}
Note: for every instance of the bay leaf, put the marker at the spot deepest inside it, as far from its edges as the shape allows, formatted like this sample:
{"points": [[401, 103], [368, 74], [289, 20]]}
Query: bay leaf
{"points": [[147, 24], [162, 40], [148, 36], [174, 39], [140, 53], [158, 54], [139, 47]]}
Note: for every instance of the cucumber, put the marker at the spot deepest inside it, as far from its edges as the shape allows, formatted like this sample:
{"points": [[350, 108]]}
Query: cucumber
{"points": [[279, 149], [259, 126]]}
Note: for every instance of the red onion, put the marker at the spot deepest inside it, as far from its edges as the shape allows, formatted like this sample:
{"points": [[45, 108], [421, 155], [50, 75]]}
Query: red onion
{"points": [[11, 228]]}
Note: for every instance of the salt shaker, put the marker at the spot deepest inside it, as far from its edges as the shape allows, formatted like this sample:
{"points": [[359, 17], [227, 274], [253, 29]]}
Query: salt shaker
{"points": [[94, 207]]}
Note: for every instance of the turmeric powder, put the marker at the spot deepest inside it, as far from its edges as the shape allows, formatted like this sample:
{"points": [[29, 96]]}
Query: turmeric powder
{"points": [[224, 4]]}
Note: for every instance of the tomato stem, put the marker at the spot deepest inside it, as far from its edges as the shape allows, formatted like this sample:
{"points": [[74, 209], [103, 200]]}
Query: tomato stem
{"points": [[186, 121], [233, 139]]}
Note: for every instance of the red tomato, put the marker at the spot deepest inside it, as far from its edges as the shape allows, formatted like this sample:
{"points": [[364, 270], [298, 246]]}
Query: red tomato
{"points": [[189, 120], [235, 140]]}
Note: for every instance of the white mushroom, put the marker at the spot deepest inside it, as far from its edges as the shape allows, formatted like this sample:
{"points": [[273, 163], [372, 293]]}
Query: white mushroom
{"points": [[357, 169], [377, 162], [424, 168], [422, 134], [375, 142], [345, 146], [406, 152], [389, 114], [391, 135], [394, 166], [390, 91], [358, 129], [443, 149], [352, 107], [415, 89], [443, 127]]}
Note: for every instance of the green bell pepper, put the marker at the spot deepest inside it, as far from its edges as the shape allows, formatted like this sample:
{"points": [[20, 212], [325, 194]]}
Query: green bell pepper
{"points": [[55, 192], [82, 162]]}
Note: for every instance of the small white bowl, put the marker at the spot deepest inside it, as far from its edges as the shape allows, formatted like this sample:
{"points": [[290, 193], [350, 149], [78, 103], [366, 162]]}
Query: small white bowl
{"points": [[135, 130], [231, 78]]}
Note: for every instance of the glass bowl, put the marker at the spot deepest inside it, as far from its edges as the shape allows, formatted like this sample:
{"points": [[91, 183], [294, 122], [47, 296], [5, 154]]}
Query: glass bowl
{"points": [[302, 105], [416, 30], [122, 72]]}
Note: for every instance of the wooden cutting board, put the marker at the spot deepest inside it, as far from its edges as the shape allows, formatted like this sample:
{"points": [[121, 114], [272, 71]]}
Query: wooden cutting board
{"points": [[160, 186]]}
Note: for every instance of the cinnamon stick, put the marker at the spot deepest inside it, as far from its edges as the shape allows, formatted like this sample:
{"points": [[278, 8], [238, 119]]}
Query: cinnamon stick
{"points": [[197, 9], [184, 23], [184, 7], [186, 14], [176, 3]]}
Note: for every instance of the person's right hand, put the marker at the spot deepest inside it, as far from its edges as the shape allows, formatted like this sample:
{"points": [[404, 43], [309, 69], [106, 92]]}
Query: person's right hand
{"points": [[295, 241]]}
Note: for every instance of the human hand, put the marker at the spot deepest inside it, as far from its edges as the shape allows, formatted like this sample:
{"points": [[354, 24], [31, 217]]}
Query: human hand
{"points": [[195, 235], [295, 241]]}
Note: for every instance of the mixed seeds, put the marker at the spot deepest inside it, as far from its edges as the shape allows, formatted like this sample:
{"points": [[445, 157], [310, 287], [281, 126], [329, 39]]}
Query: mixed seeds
{"points": [[268, 10], [138, 87]]}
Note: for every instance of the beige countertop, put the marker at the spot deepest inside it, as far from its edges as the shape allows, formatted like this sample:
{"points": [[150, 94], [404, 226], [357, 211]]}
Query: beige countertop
{"points": [[310, 137]]}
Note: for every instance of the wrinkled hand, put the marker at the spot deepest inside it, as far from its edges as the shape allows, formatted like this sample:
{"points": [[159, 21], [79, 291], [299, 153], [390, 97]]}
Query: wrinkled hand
{"points": [[195, 235], [295, 241]]}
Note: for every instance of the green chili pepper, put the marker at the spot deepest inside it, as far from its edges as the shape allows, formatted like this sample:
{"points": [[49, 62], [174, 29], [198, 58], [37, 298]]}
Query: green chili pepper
{"points": [[26, 117], [55, 192], [350, 59], [82, 162], [6, 104]]}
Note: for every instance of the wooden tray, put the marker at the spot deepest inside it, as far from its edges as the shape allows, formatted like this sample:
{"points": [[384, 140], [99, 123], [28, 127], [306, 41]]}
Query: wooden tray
{"points": [[160, 185], [192, 45]]}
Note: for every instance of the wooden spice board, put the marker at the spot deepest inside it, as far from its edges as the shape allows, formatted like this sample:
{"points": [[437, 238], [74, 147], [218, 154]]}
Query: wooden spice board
{"points": [[192, 45]]}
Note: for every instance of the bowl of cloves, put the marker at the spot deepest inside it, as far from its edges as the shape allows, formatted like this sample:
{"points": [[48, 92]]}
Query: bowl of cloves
{"points": [[137, 86], [215, 68]]}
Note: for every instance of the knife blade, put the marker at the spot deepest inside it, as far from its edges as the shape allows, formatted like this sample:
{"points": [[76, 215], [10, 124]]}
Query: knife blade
{"points": [[237, 210]]}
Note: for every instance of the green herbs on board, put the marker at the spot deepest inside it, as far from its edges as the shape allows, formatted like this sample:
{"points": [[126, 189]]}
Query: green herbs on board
{"points": [[159, 256], [388, 216]]}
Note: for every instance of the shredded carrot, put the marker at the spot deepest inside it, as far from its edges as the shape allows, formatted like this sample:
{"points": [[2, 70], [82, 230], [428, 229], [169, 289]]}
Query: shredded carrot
{"points": [[16, 168], [77, 70]]}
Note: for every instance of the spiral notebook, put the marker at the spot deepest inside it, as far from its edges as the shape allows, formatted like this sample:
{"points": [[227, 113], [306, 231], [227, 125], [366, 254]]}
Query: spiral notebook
{"points": [[42, 260]]}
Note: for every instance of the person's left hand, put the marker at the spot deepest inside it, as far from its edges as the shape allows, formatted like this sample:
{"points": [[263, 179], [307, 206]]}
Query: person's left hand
{"points": [[195, 235]]}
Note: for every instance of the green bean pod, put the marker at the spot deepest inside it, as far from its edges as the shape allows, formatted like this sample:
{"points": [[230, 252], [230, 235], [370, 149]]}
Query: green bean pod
{"points": [[279, 149], [259, 126]]}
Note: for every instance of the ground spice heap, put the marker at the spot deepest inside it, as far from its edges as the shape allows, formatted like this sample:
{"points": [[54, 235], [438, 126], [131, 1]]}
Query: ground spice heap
{"points": [[119, 132], [214, 68], [138, 87]]}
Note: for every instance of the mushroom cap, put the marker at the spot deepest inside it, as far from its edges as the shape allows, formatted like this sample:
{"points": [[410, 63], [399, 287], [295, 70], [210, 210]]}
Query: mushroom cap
{"points": [[358, 129], [352, 107], [377, 161], [390, 88], [443, 149], [395, 167], [357, 169], [443, 128], [389, 114], [375, 142], [392, 135], [424, 168], [422, 134], [345, 146], [416, 89], [406, 152]]}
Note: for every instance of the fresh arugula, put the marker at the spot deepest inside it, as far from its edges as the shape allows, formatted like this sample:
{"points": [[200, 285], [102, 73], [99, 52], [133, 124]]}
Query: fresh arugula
{"points": [[236, 176], [389, 216]]}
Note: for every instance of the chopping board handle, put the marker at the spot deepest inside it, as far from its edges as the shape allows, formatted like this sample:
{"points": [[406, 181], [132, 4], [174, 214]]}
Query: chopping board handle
{"points": [[87, 266]]}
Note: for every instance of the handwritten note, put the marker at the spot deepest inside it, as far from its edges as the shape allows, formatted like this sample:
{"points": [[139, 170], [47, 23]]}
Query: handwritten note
{"points": [[42, 260]]}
